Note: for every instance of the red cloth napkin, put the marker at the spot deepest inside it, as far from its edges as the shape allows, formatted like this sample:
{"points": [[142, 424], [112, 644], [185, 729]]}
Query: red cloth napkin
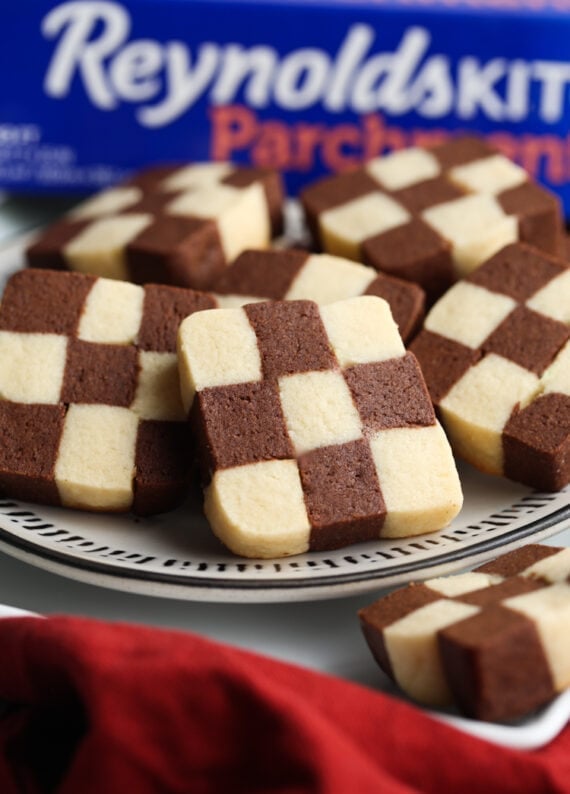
{"points": [[111, 708]]}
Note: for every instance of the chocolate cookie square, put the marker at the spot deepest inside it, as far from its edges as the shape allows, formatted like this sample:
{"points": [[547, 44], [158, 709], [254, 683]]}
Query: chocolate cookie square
{"points": [[299, 275], [304, 438], [89, 392], [495, 352], [432, 215], [178, 225]]}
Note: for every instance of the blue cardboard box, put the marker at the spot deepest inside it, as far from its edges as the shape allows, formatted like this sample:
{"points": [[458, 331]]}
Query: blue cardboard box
{"points": [[93, 89]]}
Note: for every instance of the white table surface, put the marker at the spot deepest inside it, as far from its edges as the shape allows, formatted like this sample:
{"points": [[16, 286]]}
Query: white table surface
{"points": [[323, 635]]}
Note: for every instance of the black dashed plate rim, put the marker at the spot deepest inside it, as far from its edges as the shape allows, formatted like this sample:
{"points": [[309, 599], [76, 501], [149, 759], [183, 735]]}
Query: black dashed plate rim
{"points": [[154, 556]]}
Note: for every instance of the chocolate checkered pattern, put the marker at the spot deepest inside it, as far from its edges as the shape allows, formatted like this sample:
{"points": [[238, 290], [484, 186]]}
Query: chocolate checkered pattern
{"points": [[314, 427], [432, 215], [90, 410], [495, 352], [299, 275], [494, 641], [546, 564], [178, 225]]}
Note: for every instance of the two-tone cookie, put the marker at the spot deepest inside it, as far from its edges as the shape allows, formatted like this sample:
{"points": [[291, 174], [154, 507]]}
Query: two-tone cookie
{"points": [[546, 564], [432, 215], [314, 427], [495, 352], [298, 275], [178, 225], [494, 646], [90, 409]]}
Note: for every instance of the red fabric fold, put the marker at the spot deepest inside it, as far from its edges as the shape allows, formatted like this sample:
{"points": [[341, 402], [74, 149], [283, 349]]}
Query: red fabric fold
{"points": [[101, 707]]}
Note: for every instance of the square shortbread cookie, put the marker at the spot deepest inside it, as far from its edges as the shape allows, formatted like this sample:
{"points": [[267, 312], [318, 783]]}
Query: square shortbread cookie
{"points": [[495, 352], [314, 427], [90, 409], [178, 225], [432, 215]]}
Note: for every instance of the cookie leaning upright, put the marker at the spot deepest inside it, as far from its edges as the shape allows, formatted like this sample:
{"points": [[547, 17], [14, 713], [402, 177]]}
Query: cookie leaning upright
{"points": [[495, 352], [90, 410], [178, 225], [432, 215], [314, 427]]}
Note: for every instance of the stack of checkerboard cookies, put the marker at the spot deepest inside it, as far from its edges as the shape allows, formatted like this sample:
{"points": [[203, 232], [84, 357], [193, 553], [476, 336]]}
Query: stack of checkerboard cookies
{"points": [[287, 383], [161, 335]]}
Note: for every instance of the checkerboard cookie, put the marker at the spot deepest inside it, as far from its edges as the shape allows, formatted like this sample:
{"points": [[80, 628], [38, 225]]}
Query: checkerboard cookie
{"points": [[495, 352], [298, 275], [432, 215], [167, 225], [90, 410], [495, 646], [546, 564], [314, 427]]}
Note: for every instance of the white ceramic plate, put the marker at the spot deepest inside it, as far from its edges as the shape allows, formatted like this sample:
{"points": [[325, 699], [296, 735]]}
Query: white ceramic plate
{"points": [[175, 554], [527, 734], [7, 611]]}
